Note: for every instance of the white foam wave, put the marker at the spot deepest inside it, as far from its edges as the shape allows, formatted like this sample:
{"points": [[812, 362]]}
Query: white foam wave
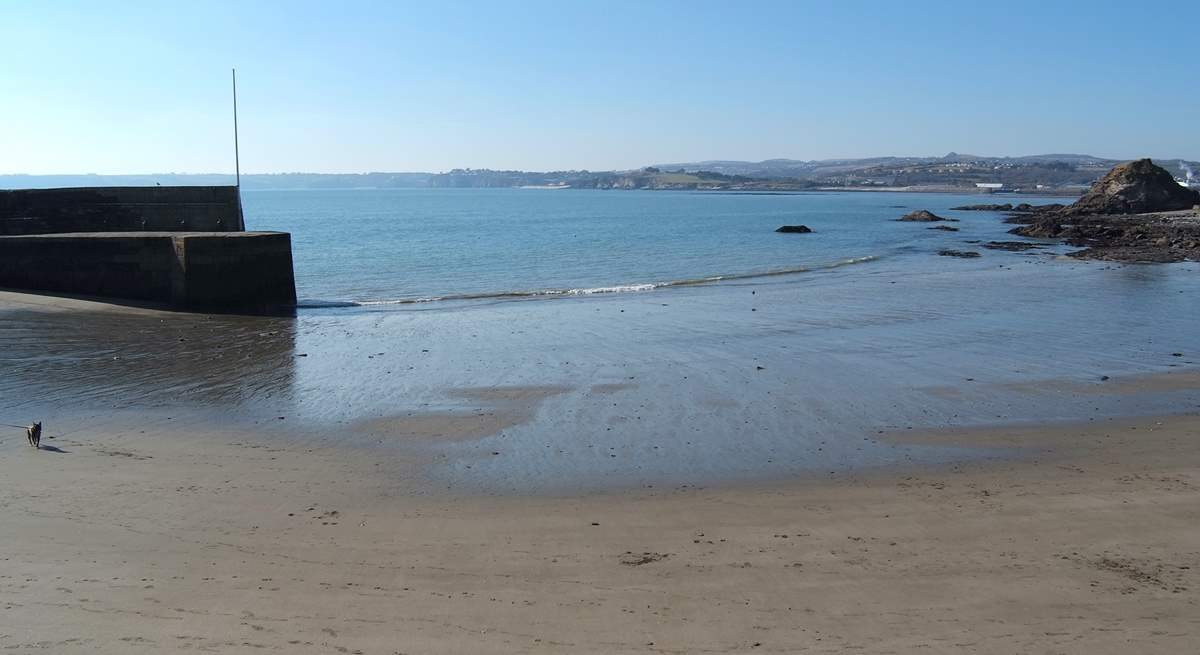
{"points": [[624, 288], [585, 291]]}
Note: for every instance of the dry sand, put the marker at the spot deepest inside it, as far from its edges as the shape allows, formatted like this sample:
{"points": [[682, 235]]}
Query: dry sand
{"points": [[221, 542]]}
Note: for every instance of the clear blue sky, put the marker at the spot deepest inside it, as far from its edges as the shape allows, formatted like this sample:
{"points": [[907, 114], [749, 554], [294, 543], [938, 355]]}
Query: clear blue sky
{"points": [[124, 87]]}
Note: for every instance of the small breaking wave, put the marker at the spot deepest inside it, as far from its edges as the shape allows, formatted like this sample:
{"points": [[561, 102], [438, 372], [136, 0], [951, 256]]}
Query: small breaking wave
{"points": [[587, 291], [627, 288]]}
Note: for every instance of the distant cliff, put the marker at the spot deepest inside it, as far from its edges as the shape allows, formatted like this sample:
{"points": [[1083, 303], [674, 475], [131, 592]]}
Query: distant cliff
{"points": [[1064, 173], [645, 178]]}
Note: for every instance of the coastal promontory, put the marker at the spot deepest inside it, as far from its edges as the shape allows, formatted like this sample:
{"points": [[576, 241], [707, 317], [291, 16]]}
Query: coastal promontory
{"points": [[1136, 187], [1137, 212]]}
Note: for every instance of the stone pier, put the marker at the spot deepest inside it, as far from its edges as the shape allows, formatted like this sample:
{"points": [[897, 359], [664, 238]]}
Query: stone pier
{"points": [[180, 246]]}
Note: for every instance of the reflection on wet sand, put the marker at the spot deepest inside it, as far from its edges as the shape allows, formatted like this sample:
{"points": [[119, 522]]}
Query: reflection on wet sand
{"points": [[489, 411], [119, 358]]}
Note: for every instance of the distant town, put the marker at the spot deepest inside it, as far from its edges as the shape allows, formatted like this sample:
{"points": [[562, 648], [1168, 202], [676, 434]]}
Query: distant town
{"points": [[1060, 174]]}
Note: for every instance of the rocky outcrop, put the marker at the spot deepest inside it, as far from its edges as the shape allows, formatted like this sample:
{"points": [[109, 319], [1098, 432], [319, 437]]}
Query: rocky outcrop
{"points": [[794, 229], [1136, 187], [1171, 237], [923, 216], [944, 228], [1137, 212]]}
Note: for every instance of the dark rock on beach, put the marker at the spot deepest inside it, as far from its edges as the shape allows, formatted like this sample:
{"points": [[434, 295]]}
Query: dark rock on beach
{"points": [[1166, 237], [923, 216], [964, 254], [794, 229], [945, 228]]}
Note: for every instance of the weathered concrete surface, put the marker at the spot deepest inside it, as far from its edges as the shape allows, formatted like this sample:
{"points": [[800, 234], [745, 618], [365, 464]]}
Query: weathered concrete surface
{"points": [[213, 271], [182, 246], [121, 209], [237, 269]]}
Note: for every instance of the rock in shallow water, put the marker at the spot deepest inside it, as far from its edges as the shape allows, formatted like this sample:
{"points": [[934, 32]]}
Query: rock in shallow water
{"points": [[1006, 207], [794, 229], [923, 216], [1013, 246], [964, 254]]}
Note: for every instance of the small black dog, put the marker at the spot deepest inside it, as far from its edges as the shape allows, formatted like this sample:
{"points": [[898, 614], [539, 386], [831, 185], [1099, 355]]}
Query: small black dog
{"points": [[34, 432]]}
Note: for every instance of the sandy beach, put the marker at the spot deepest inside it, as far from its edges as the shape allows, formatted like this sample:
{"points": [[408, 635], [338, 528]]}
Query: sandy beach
{"points": [[786, 467], [137, 542]]}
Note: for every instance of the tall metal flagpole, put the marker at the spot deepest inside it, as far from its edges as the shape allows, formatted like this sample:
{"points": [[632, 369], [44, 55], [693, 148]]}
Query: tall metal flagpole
{"points": [[237, 164]]}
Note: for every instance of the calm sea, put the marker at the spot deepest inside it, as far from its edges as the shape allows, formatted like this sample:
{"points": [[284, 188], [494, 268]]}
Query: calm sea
{"points": [[397, 246]]}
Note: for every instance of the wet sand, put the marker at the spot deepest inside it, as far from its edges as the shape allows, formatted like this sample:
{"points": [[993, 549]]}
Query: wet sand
{"points": [[219, 541], [733, 382], [496, 409]]}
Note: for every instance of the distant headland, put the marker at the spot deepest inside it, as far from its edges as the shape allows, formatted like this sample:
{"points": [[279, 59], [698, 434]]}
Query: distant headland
{"points": [[1060, 174]]}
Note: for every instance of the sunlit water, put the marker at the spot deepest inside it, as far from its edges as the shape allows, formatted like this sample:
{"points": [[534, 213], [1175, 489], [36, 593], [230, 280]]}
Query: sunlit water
{"points": [[378, 246], [750, 377]]}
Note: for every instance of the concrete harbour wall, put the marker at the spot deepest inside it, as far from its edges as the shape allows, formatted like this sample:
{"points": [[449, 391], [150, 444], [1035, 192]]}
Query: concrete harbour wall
{"points": [[212, 271], [182, 246], [121, 209]]}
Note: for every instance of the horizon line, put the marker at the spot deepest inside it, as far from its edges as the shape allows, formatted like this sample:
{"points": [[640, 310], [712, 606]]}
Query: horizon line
{"points": [[590, 170]]}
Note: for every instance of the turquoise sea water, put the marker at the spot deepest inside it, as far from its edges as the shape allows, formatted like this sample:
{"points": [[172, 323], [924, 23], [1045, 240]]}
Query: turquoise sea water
{"points": [[380, 246]]}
